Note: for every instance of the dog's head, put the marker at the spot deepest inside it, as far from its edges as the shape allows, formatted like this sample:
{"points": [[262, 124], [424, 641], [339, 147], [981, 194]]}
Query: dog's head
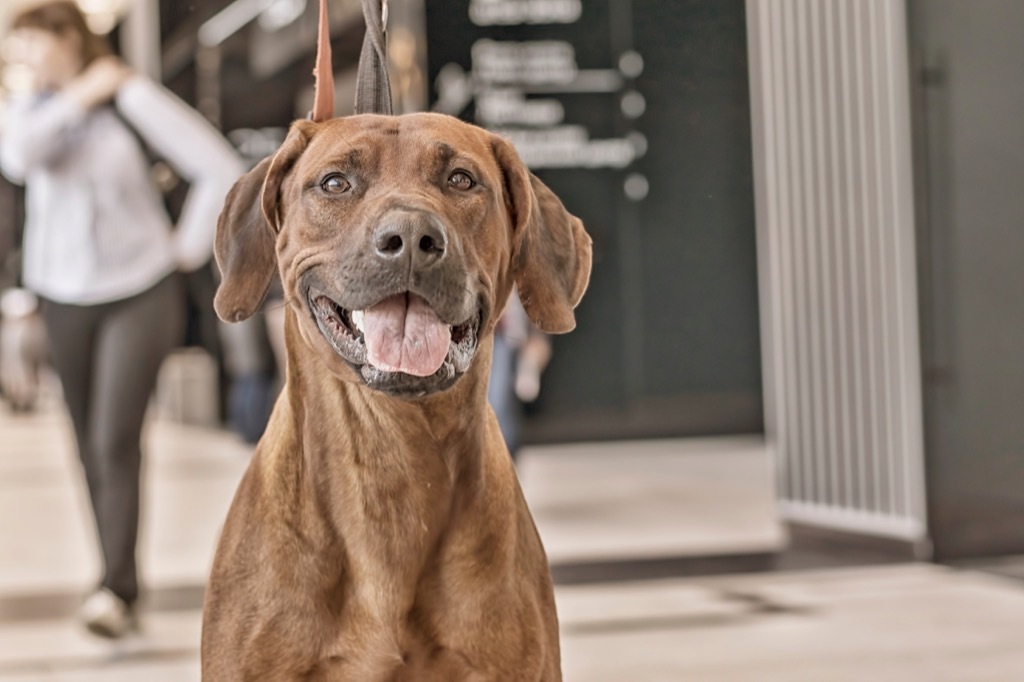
{"points": [[398, 241]]}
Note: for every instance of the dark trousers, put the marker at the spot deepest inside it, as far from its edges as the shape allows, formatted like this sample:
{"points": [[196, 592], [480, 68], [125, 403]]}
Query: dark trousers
{"points": [[107, 357]]}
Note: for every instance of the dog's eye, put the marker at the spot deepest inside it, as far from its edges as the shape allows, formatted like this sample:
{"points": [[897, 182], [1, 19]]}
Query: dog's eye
{"points": [[335, 183], [461, 180]]}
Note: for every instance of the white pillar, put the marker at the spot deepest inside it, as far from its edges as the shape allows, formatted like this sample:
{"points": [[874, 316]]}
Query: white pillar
{"points": [[830, 105], [140, 37]]}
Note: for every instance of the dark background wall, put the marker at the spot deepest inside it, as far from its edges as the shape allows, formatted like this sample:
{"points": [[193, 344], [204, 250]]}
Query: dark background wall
{"points": [[12, 218], [969, 149], [668, 340]]}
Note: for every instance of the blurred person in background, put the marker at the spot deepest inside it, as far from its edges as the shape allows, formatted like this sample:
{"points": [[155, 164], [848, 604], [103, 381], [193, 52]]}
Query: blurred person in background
{"points": [[100, 252], [521, 353], [22, 348]]}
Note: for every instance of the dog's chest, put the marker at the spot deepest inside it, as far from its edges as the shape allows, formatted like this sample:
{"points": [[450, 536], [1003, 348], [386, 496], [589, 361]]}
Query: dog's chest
{"points": [[437, 626], [406, 654]]}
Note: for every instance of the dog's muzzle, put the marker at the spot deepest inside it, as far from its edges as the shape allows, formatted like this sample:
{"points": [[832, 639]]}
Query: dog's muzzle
{"points": [[399, 345]]}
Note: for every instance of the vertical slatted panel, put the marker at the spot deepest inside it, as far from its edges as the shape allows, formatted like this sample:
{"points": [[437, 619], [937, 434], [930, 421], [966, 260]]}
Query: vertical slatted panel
{"points": [[831, 130]]}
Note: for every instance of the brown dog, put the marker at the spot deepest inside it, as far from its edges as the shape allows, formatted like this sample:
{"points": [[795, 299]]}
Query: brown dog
{"points": [[380, 532]]}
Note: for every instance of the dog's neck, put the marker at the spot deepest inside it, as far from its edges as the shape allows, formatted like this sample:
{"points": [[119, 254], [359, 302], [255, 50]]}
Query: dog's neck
{"points": [[382, 436], [385, 474]]}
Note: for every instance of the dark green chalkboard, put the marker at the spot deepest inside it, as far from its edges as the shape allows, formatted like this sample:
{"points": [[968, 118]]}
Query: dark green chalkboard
{"points": [[668, 340]]}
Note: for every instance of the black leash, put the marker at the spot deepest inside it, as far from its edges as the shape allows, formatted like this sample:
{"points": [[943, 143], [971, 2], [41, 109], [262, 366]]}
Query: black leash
{"points": [[373, 87]]}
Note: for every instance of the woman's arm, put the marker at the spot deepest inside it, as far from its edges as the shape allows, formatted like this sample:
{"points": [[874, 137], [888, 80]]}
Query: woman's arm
{"points": [[36, 132], [196, 150], [37, 129]]}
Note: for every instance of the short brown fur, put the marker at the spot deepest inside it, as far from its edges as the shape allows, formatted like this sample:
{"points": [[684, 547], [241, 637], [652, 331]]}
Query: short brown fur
{"points": [[377, 537]]}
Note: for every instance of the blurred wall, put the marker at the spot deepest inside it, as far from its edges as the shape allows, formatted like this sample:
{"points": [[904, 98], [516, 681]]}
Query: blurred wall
{"points": [[969, 96], [12, 216], [637, 114]]}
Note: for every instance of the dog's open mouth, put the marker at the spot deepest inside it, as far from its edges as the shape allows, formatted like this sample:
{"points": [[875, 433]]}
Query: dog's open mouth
{"points": [[399, 345]]}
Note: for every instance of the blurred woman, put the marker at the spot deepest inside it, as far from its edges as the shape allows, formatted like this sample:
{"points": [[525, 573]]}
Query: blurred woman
{"points": [[521, 354], [100, 250]]}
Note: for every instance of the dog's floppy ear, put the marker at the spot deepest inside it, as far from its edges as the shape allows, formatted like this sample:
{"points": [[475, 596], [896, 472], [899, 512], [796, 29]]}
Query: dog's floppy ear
{"points": [[551, 252], [247, 230]]}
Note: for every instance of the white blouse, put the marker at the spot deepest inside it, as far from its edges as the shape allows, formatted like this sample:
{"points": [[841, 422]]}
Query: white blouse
{"points": [[96, 228]]}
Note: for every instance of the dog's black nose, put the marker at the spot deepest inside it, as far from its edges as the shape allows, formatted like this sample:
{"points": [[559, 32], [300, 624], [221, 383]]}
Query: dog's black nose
{"points": [[410, 234]]}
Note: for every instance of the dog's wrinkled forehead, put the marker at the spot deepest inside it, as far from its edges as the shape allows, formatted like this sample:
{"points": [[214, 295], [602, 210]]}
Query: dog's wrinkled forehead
{"points": [[398, 148]]}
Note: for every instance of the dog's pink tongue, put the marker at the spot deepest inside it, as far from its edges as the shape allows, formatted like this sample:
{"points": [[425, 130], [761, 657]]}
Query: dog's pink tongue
{"points": [[403, 334]]}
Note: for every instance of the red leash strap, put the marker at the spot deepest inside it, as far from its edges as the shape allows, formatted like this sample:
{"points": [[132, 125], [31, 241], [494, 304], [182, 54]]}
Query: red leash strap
{"points": [[323, 100]]}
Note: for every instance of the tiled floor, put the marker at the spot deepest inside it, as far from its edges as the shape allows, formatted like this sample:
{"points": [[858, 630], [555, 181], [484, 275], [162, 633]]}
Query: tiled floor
{"points": [[906, 623], [592, 502]]}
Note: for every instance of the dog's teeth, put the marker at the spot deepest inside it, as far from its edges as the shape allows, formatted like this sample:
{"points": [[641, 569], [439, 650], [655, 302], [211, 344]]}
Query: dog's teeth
{"points": [[357, 320]]}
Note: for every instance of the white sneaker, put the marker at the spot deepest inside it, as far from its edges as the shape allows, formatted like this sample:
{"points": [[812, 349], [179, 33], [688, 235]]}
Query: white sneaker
{"points": [[107, 615]]}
